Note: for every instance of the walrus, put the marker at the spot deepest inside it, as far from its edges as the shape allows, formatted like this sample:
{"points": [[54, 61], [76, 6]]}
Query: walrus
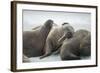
{"points": [[55, 34], [70, 48], [34, 40]]}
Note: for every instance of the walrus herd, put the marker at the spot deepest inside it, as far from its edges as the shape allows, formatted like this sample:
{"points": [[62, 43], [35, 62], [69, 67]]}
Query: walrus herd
{"points": [[46, 39]]}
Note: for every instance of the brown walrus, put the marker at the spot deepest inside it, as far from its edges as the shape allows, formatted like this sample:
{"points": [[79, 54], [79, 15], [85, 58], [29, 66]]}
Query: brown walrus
{"points": [[70, 49], [55, 34], [34, 40]]}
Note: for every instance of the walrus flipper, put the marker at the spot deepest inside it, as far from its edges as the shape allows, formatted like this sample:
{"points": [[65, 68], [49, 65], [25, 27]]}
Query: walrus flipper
{"points": [[58, 49], [57, 52], [48, 50], [45, 55], [48, 53]]}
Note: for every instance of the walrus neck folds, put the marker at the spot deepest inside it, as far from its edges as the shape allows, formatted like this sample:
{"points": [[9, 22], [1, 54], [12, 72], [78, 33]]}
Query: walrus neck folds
{"points": [[45, 29]]}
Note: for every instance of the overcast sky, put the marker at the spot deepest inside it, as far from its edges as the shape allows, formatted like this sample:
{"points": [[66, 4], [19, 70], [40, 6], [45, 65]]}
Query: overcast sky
{"points": [[35, 18]]}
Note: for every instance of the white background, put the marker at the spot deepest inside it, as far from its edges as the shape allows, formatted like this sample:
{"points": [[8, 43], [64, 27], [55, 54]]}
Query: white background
{"points": [[5, 37]]}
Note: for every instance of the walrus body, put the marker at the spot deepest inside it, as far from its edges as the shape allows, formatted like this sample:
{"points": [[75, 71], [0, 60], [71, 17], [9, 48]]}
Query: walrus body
{"points": [[52, 40], [70, 49], [34, 40], [85, 46]]}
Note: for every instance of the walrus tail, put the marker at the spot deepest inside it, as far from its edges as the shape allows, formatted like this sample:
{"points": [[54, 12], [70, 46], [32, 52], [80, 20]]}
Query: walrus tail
{"points": [[56, 52]]}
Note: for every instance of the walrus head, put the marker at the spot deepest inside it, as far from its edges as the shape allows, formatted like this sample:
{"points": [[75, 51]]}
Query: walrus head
{"points": [[49, 23], [68, 32]]}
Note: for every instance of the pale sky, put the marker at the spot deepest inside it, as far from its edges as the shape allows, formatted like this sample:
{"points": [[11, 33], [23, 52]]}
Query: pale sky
{"points": [[36, 18]]}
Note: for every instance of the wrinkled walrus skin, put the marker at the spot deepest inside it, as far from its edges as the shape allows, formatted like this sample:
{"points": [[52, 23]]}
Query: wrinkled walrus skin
{"points": [[70, 49], [52, 40], [85, 46], [34, 40]]}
